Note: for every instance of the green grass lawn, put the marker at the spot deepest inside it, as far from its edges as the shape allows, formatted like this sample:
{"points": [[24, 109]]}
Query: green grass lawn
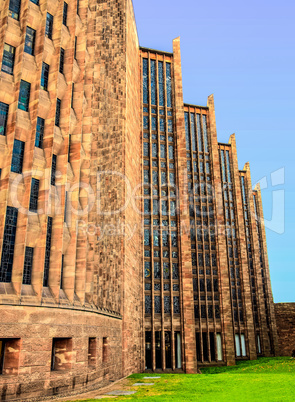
{"points": [[266, 379]]}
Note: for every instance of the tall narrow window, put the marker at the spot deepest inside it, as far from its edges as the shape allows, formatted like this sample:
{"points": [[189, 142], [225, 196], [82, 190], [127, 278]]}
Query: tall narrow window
{"points": [[17, 156], [219, 346], [65, 14], [49, 26], [24, 95], [61, 60], [75, 49], [34, 195], [62, 271], [28, 264], [3, 117], [44, 76], [8, 244], [53, 170], [78, 5], [47, 252], [39, 132], [8, 59], [57, 112], [14, 9], [30, 41], [72, 99]]}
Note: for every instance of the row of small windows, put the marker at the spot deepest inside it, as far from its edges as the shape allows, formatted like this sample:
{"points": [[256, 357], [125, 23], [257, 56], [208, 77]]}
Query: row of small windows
{"points": [[9, 243], [61, 354], [23, 104], [15, 6]]}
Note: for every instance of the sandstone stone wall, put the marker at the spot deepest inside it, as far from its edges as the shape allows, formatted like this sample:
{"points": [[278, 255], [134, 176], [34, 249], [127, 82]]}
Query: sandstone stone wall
{"points": [[285, 317]]}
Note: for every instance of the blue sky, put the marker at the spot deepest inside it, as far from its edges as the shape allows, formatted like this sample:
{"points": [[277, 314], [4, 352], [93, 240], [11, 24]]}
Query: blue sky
{"points": [[244, 53]]}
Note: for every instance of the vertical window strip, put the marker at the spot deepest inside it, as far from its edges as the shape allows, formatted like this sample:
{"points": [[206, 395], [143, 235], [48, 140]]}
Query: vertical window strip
{"points": [[193, 132], [47, 252], [39, 132], [145, 74], [228, 167], [53, 170], [8, 244], [187, 137], [61, 60], [161, 83], [34, 195], [30, 41], [200, 145], [8, 59], [223, 166], [49, 26], [57, 112], [24, 95], [205, 134], [17, 156], [168, 85], [44, 76], [28, 266], [4, 108], [153, 83], [65, 14]]}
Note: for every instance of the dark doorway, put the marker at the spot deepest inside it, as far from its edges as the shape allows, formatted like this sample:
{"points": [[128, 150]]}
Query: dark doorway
{"points": [[212, 347], [205, 346], [148, 350], [198, 346], [168, 350]]}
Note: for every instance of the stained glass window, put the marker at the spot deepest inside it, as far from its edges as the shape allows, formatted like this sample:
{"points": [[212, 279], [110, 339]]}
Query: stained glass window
{"points": [[8, 59], [44, 76], [166, 270], [30, 41], [147, 236], [153, 83], [171, 152], [39, 132], [148, 304], [47, 252], [200, 144], [168, 85], [28, 265], [193, 132], [146, 149], [34, 195], [62, 61], [228, 167], [157, 304], [57, 112], [3, 117], [49, 26], [154, 123], [176, 305], [53, 170], [24, 95], [156, 238], [162, 124], [147, 269], [205, 134], [167, 305], [146, 176], [14, 9], [161, 82], [17, 156], [157, 270], [8, 244], [145, 80], [65, 14]]}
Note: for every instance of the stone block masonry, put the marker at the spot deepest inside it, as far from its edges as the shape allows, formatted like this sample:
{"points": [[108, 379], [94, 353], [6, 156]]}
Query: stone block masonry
{"points": [[285, 318]]}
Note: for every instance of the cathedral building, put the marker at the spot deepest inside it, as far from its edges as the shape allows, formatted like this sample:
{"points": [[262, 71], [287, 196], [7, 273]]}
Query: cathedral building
{"points": [[130, 240]]}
